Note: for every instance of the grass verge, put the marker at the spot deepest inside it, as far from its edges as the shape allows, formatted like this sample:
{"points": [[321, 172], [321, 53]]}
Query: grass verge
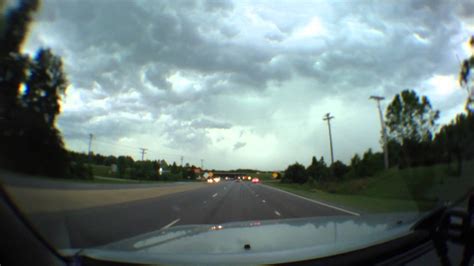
{"points": [[411, 189], [357, 203]]}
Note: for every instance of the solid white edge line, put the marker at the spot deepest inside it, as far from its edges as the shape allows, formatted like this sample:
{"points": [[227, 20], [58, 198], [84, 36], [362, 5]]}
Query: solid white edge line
{"points": [[215, 195], [170, 224], [315, 201], [277, 213]]}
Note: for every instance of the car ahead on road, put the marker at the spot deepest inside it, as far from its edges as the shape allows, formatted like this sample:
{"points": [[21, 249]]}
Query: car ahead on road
{"points": [[213, 180], [255, 180]]}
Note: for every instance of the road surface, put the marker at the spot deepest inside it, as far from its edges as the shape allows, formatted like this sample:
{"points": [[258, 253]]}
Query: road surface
{"points": [[228, 201]]}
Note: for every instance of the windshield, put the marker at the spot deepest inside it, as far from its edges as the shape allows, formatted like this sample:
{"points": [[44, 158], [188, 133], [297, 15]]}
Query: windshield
{"points": [[119, 119]]}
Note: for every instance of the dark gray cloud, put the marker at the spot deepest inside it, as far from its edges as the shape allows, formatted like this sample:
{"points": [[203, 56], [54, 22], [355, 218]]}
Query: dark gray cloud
{"points": [[218, 5], [276, 37], [183, 137], [239, 145], [207, 123]]}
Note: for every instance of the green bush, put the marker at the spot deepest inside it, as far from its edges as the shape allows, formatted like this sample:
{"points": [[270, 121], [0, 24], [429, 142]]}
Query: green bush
{"points": [[295, 173], [80, 170]]}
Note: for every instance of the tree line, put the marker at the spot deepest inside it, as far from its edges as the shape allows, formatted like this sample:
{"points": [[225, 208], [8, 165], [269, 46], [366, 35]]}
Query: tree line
{"points": [[413, 140], [126, 167]]}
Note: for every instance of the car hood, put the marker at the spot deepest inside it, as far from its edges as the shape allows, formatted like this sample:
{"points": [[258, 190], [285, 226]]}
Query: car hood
{"points": [[256, 242]]}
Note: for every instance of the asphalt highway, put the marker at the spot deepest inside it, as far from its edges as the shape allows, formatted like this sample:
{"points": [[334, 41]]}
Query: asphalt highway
{"points": [[227, 201]]}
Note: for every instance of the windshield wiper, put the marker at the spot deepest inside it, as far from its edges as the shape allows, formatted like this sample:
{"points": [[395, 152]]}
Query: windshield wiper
{"points": [[451, 224]]}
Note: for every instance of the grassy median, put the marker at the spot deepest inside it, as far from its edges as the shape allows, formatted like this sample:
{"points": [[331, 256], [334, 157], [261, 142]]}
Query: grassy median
{"points": [[43, 200]]}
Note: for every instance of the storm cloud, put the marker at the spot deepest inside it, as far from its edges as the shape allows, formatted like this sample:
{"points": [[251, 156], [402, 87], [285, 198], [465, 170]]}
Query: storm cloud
{"points": [[186, 78]]}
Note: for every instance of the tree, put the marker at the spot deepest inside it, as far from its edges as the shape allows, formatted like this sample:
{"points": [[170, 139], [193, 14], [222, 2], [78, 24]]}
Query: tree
{"points": [[312, 169], [123, 163], [409, 117], [456, 140], [80, 170], [339, 169], [174, 168], [156, 170], [368, 165], [29, 139], [410, 120], [465, 77], [144, 170], [318, 170], [45, 85], [394, 151], [295, 173], [14, 27], [109, 160], [163, 164], [355, 162]]}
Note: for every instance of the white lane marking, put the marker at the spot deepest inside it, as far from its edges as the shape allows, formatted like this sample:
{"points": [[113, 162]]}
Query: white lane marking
{"points": [[315, 201], [277, 213], [263, 201], [215, 195], [170, 224]]}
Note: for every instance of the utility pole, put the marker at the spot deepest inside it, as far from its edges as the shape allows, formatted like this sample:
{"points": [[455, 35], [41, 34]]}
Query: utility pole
{"points": [[202, 164], [89, 152], [182, 158], [328, 118], [90, 144], [384, 130], [143, 151]]}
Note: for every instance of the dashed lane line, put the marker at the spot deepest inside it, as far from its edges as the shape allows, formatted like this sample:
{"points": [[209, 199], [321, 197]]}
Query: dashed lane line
{"points": [[170, 224]]}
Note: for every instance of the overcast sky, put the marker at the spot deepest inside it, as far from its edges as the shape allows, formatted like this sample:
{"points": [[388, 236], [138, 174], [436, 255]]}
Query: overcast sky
{"points": [[245, 84]]}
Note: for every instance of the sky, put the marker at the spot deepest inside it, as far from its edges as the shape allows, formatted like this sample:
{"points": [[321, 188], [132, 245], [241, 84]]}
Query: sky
{"points": [[245, 84]]}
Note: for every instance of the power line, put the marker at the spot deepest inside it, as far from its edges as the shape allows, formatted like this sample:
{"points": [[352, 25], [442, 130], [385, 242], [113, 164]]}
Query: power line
{"points": [[136, 147], [328, 118], [117, 144]]}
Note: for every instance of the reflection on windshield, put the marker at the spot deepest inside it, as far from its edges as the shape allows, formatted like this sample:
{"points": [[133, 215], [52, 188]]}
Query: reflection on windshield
{"points": [[155, 115], [307, 237]]}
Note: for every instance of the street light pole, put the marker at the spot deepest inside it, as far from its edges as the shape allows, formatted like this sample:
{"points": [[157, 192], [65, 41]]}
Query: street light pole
{"points": [[328, 118], [384, 130]]}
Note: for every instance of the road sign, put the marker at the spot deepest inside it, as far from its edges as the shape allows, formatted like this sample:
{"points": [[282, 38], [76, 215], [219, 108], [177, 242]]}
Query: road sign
{"points": [[206, 175]]}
